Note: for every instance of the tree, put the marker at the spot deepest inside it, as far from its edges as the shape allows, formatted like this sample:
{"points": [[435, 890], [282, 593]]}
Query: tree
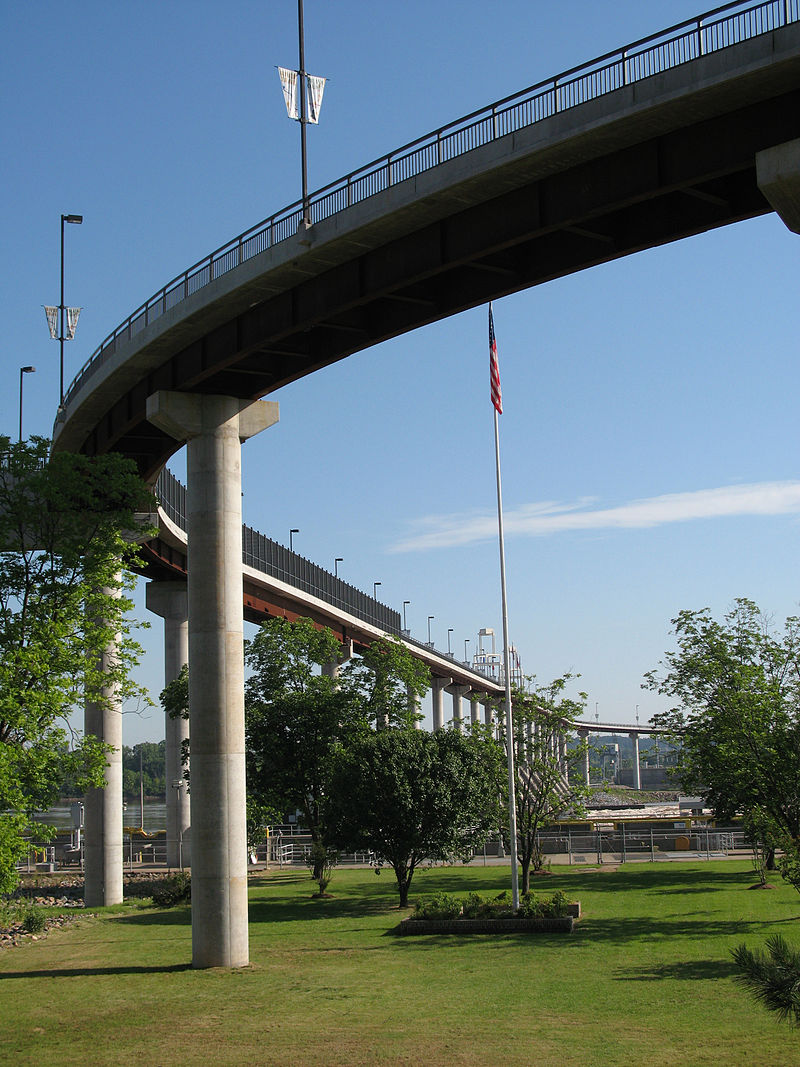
{"points": [[773, 978], [409, 796], [546, 785], [388, 682], [294, 718], [63, 601], [738, 686]]}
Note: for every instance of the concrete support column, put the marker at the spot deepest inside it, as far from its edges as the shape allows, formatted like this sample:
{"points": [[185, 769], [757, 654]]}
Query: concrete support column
{"points": [[103, 805], [413, 707], [331, 670], [474, 708], [169, 600], [583, 734], [778, 176], [438, 686], [637, 775], [214, 427], [488, 713], [457, 692]]}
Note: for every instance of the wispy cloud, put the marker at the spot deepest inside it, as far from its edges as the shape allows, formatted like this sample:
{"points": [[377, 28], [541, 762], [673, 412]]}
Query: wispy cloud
{"points": [[551, 517]]}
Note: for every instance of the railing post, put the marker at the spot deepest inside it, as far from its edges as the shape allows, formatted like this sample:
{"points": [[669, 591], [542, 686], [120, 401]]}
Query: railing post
{"points": [[186, 285], [625, 68], [349, 197], [699, 37], [388, 172], [240, 252], [211, 267]]}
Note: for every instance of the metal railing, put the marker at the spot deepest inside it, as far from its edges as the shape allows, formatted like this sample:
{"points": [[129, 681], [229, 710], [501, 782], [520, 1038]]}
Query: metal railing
{"points": [[713, 31], [269, 557]]}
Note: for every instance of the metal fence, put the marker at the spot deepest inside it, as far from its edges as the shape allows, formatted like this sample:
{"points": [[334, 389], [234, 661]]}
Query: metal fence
{"points": [[263, 554], [713, 31]]}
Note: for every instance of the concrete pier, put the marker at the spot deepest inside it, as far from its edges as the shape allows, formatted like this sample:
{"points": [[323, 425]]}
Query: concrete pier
{"points": [[438, 686], [214, 427], [103, 806], [170, 601]]}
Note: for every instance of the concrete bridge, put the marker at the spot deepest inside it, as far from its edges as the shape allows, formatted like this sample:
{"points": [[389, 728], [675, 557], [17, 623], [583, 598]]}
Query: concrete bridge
{"points": [[685, 131]]}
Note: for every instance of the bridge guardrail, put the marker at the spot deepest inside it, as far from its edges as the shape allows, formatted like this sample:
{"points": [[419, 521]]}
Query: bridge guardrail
{"points": [[713, 31], [266, 555]]}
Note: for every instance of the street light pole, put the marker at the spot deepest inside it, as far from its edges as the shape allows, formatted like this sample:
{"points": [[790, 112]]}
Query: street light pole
{"points": [[291, 543], [76, 220], [429, 628], [405, 602], [466, 642], [22, 370], [336, 563], [449, 631], [375, 590]]}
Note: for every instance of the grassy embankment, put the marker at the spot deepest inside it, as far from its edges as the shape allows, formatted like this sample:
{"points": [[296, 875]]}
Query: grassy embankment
{"points": [[646, 978]]}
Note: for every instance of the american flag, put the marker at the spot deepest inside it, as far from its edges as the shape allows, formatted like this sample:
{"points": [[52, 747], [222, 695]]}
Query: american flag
{"points": [[494, 370]]}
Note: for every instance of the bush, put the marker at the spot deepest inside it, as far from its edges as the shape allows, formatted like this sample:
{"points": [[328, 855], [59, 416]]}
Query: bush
{"points": [[33, 921], [440, 906], [474, 906], [174, 890]]}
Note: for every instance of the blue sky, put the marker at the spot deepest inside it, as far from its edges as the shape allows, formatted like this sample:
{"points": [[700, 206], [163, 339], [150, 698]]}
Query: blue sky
{"points": [[649, 434]]}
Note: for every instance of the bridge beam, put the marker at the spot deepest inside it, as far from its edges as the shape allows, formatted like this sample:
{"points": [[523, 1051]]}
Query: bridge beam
{"points": [[214, 427], [778, 172], [169, 600]]}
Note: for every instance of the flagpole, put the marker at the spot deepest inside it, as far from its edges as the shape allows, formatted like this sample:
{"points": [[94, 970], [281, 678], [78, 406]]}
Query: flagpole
{"points": [[512, 778], [303, 117]]}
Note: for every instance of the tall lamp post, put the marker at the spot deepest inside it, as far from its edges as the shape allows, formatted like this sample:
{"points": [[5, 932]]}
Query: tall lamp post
{"points": [[336, 563], [76, 220], [405, 604], [375, 590], [429, 628], [449, 631], [291, 541], [22, 370], [466, 642]]}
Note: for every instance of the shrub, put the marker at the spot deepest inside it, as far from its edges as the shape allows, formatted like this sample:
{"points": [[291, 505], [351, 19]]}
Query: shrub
{"points": [[440, 906], [33, 921], [174, 890]]}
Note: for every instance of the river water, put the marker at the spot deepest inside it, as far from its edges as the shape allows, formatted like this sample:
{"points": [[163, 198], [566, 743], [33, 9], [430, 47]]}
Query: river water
{"points": [[155, 815]]}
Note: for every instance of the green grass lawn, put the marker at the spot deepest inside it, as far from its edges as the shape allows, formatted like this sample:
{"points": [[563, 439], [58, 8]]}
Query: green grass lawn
{"points": [[645, 979]]}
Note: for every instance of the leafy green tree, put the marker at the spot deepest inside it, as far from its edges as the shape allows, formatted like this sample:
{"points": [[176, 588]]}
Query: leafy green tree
{"points": [[388, 682], [548, 782], [64, 588], [737, 683], [410, 796], [294, 719]]}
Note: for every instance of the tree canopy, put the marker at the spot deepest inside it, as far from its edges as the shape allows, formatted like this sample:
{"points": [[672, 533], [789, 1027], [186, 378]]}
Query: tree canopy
{"points": [[410, 796], [548, 784], [63, 601], [296, 718], [737, 683]]}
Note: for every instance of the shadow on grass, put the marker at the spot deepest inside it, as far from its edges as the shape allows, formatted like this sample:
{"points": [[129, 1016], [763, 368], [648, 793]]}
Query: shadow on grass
{"points": [[687, 970], [90, 972]]}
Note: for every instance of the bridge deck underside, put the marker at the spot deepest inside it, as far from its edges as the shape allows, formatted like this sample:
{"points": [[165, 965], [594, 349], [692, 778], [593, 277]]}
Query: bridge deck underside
{"points": [[659, 190]]}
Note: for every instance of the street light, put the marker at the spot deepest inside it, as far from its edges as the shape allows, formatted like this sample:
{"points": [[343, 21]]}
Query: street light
{"points": [[466, 642], [449, 631], [405, 602], [75, 220], [375, 590], [336, 563], [291, 535], [22, 370], [429, 628]]}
